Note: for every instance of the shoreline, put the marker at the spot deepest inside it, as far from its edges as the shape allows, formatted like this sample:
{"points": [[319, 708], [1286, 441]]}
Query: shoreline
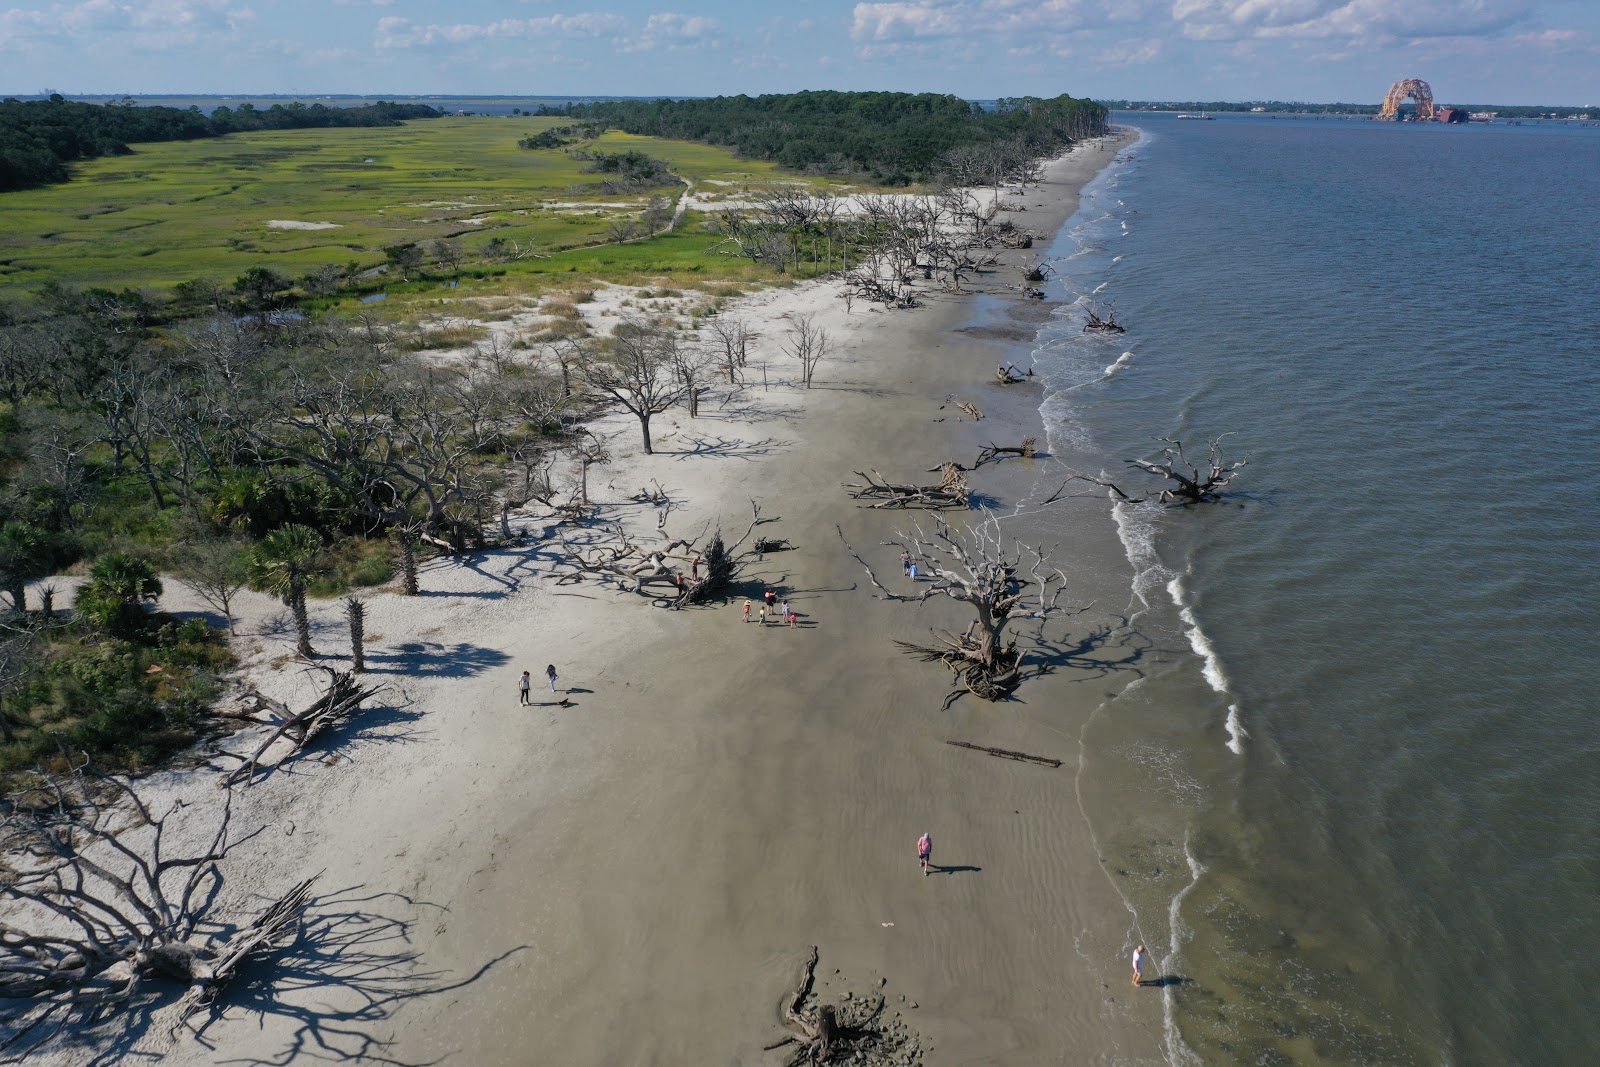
{"points": [[635, 877]]}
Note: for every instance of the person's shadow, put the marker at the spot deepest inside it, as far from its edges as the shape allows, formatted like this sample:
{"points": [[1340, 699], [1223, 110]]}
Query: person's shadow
{"points": [[1166, 980], [935, 868]]}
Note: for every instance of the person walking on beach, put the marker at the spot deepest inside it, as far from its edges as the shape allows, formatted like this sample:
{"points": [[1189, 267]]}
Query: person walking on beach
{"points": [[694, 568], [1138, 965], [746, 609], [911, 569], [905, 562], [550, 673], [785, 616], [925, 852], [522, 688], [761, 618], [771, 598]]}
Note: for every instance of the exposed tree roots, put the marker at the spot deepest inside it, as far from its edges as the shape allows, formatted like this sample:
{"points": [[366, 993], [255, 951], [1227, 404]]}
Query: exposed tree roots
{"points": [[853, 1031]]}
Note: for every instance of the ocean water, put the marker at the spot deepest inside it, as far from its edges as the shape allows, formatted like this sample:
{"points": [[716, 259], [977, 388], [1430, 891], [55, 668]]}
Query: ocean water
{"points": [[1350, 785]]}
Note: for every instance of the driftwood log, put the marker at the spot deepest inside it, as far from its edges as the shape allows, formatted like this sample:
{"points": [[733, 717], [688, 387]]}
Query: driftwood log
{"points": [[341, 700], [951, 492]]}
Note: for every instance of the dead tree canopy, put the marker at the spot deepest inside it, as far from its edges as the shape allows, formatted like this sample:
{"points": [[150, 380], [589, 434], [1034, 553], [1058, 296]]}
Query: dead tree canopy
{"points": [[1002, 582], [951, 492], [1193, 487], [98, 908], [618, 560], [1187, 484]]}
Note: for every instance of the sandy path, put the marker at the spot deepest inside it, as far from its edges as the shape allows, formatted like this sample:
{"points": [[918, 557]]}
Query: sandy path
{"points": [[633, 879]]}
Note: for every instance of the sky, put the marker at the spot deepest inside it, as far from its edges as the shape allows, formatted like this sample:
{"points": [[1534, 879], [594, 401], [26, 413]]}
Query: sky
{"points": [[1470, 51]]}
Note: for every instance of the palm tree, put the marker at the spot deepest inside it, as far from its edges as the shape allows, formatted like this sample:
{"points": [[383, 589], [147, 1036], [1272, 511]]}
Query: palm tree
{"points": [[118, 586], [281, 564]]}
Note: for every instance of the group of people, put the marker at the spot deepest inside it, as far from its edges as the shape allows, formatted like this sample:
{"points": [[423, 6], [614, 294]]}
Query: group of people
{"points": [[527, 683], [770, 609], [908, 564]]}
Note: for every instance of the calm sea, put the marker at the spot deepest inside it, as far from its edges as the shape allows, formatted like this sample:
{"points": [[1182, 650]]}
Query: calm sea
{"points": [[1351, 786]]}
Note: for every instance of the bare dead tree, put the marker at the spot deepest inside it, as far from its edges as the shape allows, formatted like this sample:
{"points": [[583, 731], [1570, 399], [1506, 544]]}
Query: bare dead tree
{"points": [[808, 343], [1193, 487], [100, 912], [731, 338], [1002, 581], [635, 369], [340, 700], [692, 362], [1188, 488]]}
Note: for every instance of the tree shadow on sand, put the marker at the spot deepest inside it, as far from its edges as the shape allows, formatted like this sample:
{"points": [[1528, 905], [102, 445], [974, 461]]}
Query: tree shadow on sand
{"points": [[349, 971], [436, 660], [726, 448], [350, 968]]}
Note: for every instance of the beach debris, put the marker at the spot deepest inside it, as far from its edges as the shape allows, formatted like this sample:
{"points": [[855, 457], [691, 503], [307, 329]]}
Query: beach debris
{"points": [[100, 914], [1037, 270], [852, 1031], [951, 492], [1006, 753], [1191, 488], [967, 408], [1007, 374], [991, 453], [1004, 582], [1106, 325], [341, 699]]}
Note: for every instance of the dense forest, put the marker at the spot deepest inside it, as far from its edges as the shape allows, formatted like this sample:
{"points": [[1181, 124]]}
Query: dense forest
{"points": [[894, 138], [39, 138]]}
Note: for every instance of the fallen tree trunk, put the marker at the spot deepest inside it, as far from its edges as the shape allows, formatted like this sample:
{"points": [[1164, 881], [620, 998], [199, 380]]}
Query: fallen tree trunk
{"points": [[951, 492], [1006, 753], [339, 702]]}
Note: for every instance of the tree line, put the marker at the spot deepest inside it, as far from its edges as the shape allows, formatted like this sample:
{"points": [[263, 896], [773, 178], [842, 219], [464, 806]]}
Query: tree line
{"points": [[39, 138], [891, 138]]}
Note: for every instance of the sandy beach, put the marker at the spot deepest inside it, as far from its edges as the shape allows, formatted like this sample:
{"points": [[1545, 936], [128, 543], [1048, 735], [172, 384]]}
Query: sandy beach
{"points": [[634, 876]]}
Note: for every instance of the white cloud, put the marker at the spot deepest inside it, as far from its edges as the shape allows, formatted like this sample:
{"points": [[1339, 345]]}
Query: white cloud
{"points": [[898, 21], [396, 32], [153, 24], [1352, 20], [668, 29]]}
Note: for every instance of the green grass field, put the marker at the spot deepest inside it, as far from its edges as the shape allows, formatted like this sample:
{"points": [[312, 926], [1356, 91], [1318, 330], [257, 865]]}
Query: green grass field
{"points": [[173, 212]]}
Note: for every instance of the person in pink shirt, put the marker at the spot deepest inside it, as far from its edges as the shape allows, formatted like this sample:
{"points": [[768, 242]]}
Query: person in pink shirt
{"points": [[925, 852]]}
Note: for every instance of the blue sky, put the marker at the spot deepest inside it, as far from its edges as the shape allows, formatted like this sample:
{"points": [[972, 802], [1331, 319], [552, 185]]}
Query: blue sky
{"points": [[1471, 51]]}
